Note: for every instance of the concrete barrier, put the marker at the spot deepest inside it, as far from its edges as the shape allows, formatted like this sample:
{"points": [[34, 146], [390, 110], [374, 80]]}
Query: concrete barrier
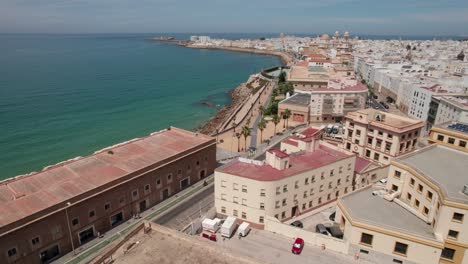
{"points": [[325, 242]]}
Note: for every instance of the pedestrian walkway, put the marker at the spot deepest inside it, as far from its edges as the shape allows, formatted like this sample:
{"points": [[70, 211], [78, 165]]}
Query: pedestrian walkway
{"points": [[88, 251]]}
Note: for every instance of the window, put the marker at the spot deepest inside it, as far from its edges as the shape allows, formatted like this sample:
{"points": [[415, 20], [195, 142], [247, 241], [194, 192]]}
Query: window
{"points": [[411, 182], [147, 188], [169, 177], [235, 186], [348, 146], [283, 214], [425, 210], [223, 209], [451, 140], [388, 146], [261, 219], [331, 173], [394, 188], [158, 182], [35, 241], [244, 215], [262, 192], [277, 216], [310, 204], [380, 133], [135, 193], [234, 212], [244, 202], [376, 156], [75, 221], [223, 197], [409, 196], [366, 239], [369, 140], [420, 188], [306, 181], [277, 204], [400, 248], [278, 190], [457, 217], [223, 183], [92, 213], [358, 132], [462, 143], [296, 185], [398, 261], [305, 194], [429, 195], [122, 200], [12, 252], [244, 188], [313, 178], [284, 202], [453, 234], [262, 206], [285, 188], [235, 200], [397, 174], [416, 203], [447, 253], [107, 206]]}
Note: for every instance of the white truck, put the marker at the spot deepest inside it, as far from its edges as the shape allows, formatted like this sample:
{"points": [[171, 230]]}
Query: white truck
{"points": [[211, 225], [228, 227], [243, 229]]}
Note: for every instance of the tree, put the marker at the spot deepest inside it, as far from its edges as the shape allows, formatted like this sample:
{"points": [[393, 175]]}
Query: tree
{"points": [[246, 133], [238, 136], [282, 77], [262, 125], [261, 109], [276, 120], [286, 115]]}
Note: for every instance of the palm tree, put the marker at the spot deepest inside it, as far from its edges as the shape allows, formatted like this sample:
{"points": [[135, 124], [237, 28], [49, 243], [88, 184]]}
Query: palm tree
{"points": [[234, 125], [276, 120], [262, 125], [286, 115], [246, 133], [238, 135], [261, 110]]}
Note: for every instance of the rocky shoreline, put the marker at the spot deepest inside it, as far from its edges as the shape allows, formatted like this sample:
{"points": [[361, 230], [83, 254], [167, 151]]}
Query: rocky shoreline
{"points": [[238, 96]]}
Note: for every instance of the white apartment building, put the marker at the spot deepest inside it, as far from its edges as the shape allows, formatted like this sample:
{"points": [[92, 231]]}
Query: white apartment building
{"points": [[445, 109], [380, 136], [420, 217]]}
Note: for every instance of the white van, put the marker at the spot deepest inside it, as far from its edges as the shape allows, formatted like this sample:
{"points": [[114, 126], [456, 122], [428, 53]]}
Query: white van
{"points": [[244, 229]]}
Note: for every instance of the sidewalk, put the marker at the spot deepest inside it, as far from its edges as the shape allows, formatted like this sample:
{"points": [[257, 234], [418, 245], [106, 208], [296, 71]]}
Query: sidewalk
{"points": [[88, 251]]}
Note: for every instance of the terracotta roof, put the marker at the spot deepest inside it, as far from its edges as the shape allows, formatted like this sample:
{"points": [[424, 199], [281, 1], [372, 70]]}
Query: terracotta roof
{"points": [[361, 164], [310, 131], [278, 153], [290, 142], [25, 195], [298, 164]]}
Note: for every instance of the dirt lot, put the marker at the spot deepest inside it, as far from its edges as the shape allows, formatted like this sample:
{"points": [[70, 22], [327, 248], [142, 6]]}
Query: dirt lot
{"points": [[168, 246]]}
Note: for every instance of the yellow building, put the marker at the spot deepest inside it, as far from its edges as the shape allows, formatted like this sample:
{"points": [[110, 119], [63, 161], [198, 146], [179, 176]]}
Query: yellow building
{"points": [[452, 134], [421, 215]]}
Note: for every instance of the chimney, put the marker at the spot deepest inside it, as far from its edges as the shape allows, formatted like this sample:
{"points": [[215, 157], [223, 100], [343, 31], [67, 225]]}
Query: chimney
{"points": [[277, 159]]}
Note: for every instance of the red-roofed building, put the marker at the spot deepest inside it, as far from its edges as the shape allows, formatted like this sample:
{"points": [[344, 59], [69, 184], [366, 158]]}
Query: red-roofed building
{"points": [[284, 184], [93, 194]]}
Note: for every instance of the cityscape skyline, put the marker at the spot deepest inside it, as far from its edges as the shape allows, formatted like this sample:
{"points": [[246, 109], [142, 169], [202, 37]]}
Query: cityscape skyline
{"points": [[123, 16]]}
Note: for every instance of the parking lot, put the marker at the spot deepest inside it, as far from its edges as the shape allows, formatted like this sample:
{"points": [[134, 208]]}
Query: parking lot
{"points": [[311, 220], [268, 247]]}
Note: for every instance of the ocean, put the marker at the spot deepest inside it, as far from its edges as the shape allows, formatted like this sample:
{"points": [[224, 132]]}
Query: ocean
{"points": [[63, 96]]}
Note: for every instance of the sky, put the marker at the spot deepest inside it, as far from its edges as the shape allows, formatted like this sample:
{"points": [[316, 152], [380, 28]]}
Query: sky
{"points": [[377, 17]]}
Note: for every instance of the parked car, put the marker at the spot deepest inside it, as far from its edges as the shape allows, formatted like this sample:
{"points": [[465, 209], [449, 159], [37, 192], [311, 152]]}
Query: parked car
{"points": [[320, 228], [384, 181], [297, 223], [332, 216], [335, 231], [297, 246]]}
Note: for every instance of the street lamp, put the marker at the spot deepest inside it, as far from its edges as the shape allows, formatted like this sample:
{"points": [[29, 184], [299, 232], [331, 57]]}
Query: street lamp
{"points": [[69, 228]]}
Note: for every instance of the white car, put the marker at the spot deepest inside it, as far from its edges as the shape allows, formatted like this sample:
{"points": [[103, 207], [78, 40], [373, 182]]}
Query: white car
{"points": [[384, 181]]}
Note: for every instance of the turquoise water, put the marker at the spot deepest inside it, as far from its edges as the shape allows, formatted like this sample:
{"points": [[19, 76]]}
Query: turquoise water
{"points": [[63, 96]]}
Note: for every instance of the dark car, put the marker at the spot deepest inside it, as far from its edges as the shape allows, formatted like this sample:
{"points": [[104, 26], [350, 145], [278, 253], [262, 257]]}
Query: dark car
{"points": [[332, 216], [297, 223], [335, 231], [320, 228]]}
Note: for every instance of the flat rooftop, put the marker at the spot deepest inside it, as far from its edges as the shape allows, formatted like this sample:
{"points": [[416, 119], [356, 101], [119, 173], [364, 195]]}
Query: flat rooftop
{"points": [[298, 163], [375, 210], [25, 195], [444, 166], [387, 121], [458, 127], [301, 99]]}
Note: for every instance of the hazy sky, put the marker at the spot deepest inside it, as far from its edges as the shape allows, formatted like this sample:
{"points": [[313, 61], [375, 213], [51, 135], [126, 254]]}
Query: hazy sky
{"points": [[410, 17]]}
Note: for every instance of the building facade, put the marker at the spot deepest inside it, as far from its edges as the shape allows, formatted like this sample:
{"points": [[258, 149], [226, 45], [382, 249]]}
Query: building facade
{"points": [[420, 217], [47, 214], [380, 136], [452, 134]]}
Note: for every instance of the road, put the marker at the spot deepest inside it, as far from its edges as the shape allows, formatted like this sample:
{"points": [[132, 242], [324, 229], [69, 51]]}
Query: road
{"points": [[376, 105], [268, 247], [182, 215], [253, 135]]}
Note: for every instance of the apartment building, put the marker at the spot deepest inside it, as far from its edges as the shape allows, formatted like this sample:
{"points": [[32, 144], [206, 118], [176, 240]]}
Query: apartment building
{"points": [[452, 134], [47, 214], [283, 185], [380, 136], [444, 109], [420, 217]]}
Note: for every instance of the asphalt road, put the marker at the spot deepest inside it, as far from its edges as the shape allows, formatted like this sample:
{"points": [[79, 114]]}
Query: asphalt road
{"points": [[376, 105], [183, 214]]}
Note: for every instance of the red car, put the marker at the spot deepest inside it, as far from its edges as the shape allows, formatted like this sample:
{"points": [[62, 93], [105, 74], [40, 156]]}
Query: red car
{"points": [[297, 246]]}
